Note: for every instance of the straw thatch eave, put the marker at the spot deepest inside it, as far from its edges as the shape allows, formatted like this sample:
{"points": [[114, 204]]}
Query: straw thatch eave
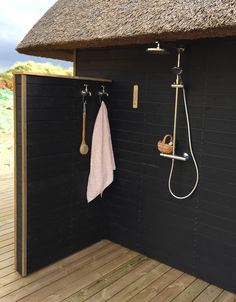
{"points": [[72, 24]]}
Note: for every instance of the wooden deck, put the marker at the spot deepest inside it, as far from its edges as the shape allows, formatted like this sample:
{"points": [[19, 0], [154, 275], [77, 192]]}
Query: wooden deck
{"points": [[102, 272]]}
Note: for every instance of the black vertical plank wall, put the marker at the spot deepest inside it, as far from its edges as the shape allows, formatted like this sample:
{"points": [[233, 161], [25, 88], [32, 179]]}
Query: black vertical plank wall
{"points": [[59, 219], [197, 235]]}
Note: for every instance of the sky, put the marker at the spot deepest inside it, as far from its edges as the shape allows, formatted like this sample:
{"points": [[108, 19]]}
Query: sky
{"points": [[17, 17]]}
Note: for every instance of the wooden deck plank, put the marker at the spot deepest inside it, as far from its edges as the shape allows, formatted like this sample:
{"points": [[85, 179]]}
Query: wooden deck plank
{"points": [[6, 231], [91, 278], [134, 288], [6, 263], [6, 242], [171, 291], [6, 201], [6, 236], [106, 280], [7, 206], [7, 270], [7, 213], [104, 271], [6, 226], [157, 286], [6, 186], [54, 267], [192, 291], [6, 217], [226, 296], [209, 294], [7, 248], [7, 198], [9, 278], [6, 255], [124, 281], [8, 191], [58, 270], [75, 280]]}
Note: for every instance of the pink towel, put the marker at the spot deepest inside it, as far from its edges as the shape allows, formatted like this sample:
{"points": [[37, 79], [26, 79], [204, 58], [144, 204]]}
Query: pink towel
{"points": [[102, 163]]}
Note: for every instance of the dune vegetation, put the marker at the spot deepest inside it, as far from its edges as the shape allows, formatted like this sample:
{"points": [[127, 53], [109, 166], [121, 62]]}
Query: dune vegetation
{"points": [[6, 106], [30, 66]]}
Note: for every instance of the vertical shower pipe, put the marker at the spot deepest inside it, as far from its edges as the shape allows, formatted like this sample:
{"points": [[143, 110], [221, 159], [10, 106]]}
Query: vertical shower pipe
{"points": [[176, 103], [177, 86]]}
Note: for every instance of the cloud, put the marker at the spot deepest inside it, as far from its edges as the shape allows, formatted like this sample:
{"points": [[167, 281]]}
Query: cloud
{"points": [[18, 17], [9, 56]]}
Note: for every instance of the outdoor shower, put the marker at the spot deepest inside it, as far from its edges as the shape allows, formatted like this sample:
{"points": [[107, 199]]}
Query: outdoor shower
{"points": [[177, 85]]}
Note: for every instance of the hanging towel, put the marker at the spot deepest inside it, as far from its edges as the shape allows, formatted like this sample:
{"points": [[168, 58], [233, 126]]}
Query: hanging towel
{"points": [[102, 163]]}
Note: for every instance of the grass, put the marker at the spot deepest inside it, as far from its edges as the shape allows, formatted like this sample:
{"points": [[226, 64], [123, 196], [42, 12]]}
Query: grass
{"points": [[6, 111]]}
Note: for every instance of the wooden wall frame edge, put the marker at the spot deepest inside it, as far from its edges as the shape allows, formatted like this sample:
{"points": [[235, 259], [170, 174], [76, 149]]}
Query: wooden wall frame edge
{"points": [[24, 171], [63, 76], [15, 174], [75, 63]]}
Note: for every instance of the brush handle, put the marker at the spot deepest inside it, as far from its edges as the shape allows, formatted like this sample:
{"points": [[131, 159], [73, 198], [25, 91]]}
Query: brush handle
{"points": [[83, 126]]}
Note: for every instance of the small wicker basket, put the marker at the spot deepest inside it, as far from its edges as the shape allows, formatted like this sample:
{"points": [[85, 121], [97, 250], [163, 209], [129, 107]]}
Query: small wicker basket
{"points": [[165, 147]]}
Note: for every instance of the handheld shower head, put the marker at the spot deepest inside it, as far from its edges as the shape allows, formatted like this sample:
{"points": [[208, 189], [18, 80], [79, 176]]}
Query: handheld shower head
{"points": [[177, 70], [157, 50]]}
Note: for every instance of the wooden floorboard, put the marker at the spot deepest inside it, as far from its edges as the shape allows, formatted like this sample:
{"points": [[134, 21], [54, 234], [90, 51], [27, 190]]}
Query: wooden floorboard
{"points": [[192, 291], [104, 271], [102, 283], [225, 297], [157, 286], [209, 294]]}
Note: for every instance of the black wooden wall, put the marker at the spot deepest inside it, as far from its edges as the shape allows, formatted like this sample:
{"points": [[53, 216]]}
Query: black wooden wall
{"points": [[197, 235], [59, 219]]}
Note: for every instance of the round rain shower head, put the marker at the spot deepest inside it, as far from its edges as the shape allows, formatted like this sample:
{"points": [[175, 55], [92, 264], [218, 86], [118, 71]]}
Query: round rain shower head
{"points": [[157, 50]]}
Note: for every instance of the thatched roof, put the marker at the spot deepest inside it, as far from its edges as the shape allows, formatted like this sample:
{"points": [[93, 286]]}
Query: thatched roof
{"points": [[71, 24]]}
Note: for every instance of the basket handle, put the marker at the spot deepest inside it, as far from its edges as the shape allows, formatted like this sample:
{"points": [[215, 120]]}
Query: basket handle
{"points": [[165, 138]]}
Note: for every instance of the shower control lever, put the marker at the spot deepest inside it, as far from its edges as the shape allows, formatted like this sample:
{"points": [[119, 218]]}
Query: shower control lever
{"points": [[174, 85], [177, 157]]}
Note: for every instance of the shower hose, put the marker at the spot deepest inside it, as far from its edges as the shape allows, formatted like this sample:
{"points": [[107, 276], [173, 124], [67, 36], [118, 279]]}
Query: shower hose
{"points": [[191, 152]]}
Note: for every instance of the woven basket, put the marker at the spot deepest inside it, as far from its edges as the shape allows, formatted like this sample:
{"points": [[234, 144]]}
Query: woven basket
{"points": [[165, 147]]}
